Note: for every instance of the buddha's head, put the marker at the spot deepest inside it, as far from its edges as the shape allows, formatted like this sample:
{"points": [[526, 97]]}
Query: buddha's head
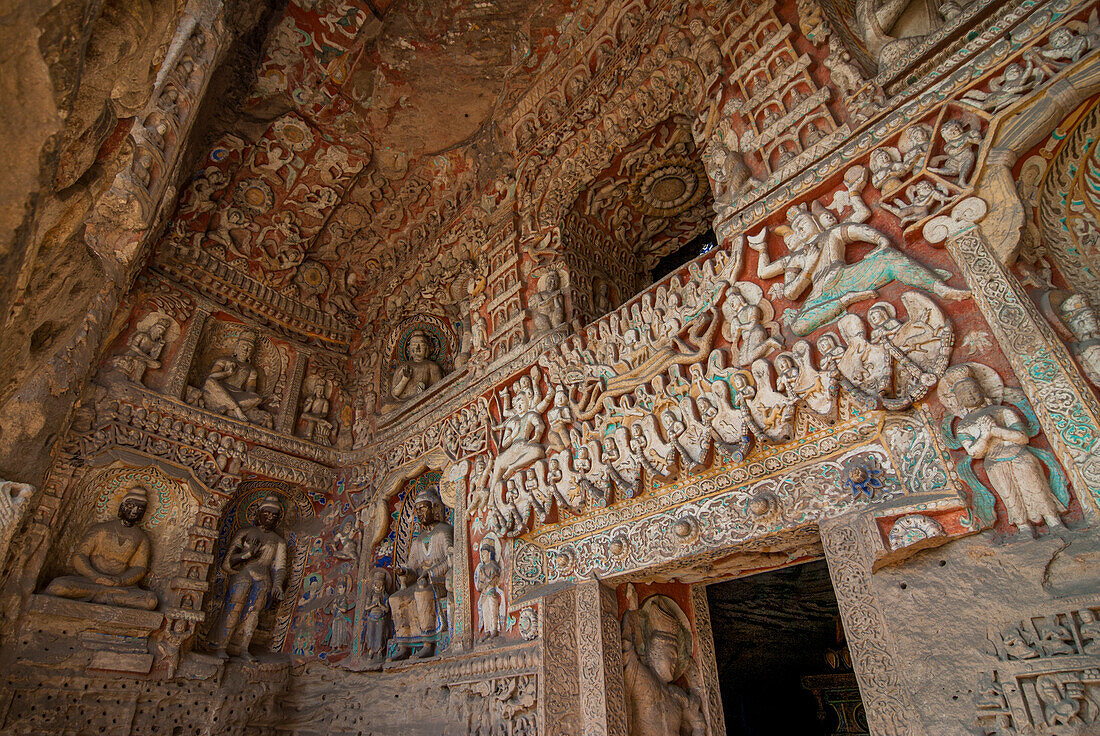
{"points": [[133, 505]]}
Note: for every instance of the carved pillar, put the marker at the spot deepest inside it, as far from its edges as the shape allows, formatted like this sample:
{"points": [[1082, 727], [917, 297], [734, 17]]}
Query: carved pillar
{"points": [[289, 405], [1067, 408], [705, 659], [181, 366], [462, 633], [849, 552], [559, 685], [30, 549], [600, 661]]}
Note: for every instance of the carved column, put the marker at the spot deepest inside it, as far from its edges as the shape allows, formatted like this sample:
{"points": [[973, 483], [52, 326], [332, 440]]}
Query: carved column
{"points": [[559, 686], [462, 633], [1067, 408], [849, 553], [181, 365], [600, 661], [289, 405], [705, 659]]}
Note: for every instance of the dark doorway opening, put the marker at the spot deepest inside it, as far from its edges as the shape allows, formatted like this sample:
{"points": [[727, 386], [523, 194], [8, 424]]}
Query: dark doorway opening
{"points": [[783, 667], [704, 242]]}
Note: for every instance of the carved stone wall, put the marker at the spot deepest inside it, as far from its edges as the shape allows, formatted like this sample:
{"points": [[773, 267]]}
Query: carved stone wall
{"points": [[932, 630], [859, 356]]}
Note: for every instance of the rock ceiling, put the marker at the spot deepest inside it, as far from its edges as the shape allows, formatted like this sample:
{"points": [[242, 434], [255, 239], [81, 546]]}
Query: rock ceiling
{"points": [[390, 120]]}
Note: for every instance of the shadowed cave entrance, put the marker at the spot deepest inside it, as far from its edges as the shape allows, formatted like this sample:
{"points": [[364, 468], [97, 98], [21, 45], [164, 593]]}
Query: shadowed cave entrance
{"points": [[783, 667]]}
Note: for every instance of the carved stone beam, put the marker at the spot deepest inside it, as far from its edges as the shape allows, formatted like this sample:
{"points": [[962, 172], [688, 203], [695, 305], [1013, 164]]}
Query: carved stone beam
{"points": [[1068, 410]]}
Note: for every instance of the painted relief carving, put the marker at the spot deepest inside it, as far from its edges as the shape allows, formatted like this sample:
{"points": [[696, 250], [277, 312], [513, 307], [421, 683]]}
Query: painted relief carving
{"points": [[959, 151], [111, 560], [420, 603], [505, 705], [817, 242], [1044, 679], [995, 425], [547, 305], [256, 564], [376, 618], [1076, 321], [499, 310], [415, 374], [230, 386], [341, 609], [891, 29], [912, 529], [657, 647], [491, 604], [315, 411], [145, 345]]}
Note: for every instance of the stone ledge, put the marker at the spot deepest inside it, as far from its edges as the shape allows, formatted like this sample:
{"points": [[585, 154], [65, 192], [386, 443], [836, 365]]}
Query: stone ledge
{"points": [[108, 619]]}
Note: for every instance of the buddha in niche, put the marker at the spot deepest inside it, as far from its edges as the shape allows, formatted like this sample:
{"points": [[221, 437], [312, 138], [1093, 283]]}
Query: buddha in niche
{"points": [[111, 559], [230, 386], [413, 376]]}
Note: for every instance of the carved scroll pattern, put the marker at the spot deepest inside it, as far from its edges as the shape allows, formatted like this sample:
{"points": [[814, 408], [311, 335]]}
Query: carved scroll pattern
{"points": [[889, 710], [707, 663], [589, 661], [614, 687], [559, 692]]}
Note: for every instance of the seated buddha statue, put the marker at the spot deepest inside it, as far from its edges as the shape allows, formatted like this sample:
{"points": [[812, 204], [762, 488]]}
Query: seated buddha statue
{"points": [[413, 376], [230, 386], [111, 560]]}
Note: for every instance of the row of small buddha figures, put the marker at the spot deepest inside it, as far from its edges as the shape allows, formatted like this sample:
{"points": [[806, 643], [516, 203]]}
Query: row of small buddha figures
{"points": [[112, 558], [545, 454]]}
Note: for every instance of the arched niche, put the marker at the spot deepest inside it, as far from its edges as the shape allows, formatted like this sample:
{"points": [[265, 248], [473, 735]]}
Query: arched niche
{"points": [[393, 493], [168, 518], [296, 528], [443, 348]]}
